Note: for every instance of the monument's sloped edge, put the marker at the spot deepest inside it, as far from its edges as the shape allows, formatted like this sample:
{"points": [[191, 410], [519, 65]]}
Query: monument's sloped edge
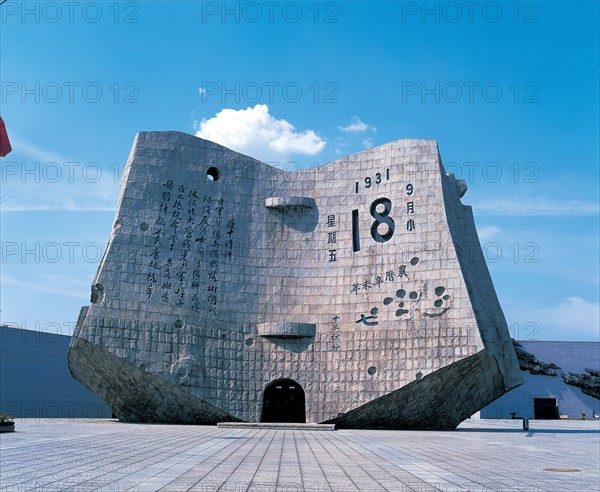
{"points": [[135, 395], [482, 294], [174, 138], [427, 403], [177, 141], [410, 144]]}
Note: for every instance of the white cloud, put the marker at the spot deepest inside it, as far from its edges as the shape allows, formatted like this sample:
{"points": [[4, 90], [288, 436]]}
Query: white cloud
{"points": [[357, 126], [33, 152], [65, 195], [253, 131], [487, 232], [368, 143], [40, 179], [69, 287], [574, 318], [61, 205], [539, 206]]}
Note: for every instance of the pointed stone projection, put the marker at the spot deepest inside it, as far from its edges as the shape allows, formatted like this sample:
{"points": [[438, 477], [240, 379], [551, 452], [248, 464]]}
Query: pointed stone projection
{"points": [[355, 293]]}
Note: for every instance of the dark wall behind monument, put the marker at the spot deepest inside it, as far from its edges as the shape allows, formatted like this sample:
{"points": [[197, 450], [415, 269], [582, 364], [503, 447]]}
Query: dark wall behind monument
{"points": [[35, 380]]}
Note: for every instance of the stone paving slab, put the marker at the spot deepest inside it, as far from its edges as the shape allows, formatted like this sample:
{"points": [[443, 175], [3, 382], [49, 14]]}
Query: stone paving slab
{"points": [[106, 455], [276, 426]]}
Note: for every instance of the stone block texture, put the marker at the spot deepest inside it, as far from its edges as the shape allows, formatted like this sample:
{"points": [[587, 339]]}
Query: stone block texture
{"points": [[359, 285]]}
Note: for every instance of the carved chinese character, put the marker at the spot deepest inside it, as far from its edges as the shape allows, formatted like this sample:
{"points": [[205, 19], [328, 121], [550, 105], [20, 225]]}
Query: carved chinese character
{"points": [[367, 320]]}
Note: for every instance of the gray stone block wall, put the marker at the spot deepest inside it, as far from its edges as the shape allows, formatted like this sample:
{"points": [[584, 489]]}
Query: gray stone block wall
{"points": [[223, 274]]}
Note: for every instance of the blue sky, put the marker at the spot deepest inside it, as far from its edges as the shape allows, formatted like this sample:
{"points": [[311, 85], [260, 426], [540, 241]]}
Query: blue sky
{"points": [[508, 89]]}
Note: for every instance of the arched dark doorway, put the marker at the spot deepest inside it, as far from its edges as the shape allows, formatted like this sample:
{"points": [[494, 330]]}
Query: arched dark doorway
{"points": [[283, 401]]}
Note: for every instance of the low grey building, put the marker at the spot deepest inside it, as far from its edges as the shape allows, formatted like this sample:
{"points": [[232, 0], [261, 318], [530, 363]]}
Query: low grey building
{"points": [[545, 393], [35, 381]]}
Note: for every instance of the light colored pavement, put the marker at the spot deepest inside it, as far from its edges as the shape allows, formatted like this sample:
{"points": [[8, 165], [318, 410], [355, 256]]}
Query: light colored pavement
{"points": [[80, 455]]}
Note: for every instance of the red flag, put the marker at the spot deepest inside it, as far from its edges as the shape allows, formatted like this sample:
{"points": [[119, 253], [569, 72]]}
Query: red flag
{"points": [[5, 147]]}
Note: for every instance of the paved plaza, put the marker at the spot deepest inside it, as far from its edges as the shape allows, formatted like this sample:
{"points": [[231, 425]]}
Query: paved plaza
{"points": [[106, 455]]}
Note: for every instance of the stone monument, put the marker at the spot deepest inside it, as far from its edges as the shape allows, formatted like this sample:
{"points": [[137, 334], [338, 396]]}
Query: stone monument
{"points": [[354, 293]]}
